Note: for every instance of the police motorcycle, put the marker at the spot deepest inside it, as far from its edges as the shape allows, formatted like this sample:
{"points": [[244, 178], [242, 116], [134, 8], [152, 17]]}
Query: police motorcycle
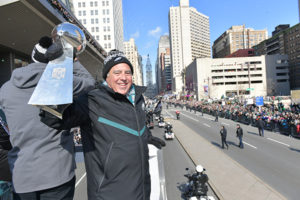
{"points": [[169, 134], [161, 122], [196, 188], [177, 114]]}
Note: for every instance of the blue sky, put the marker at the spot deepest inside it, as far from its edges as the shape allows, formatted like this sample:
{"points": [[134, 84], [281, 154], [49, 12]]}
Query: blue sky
{"points": [[147, 20]]}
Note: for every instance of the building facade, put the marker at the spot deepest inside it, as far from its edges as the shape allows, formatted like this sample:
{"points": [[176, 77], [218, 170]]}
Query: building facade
{"points": [[166, 70], [189, 39], [285, 42], [131, 52], [151, 89], [235, 38], [163, 47], [140, 60], [273, 45], [239, 76], [103, 19]]}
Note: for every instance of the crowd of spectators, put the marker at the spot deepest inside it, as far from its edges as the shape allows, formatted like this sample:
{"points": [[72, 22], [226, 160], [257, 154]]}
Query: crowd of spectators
{"points": [[276, 118]]}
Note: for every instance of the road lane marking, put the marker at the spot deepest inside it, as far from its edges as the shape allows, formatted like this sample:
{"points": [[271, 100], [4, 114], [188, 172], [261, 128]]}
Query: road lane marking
{"points": [[80, 179], [206, 125], [250, 145], [190, 117], [208, 118], [170, 114], [225, 123], [278, 142]]}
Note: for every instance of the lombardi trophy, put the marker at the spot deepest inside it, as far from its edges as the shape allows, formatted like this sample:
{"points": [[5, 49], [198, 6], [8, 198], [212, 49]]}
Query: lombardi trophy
{"points": [[54, 91]]}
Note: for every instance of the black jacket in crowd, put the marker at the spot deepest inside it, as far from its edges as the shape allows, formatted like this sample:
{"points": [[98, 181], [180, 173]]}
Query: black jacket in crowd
{"points": [[114, 137], [223, 133], [239, 132], [260, 123]]}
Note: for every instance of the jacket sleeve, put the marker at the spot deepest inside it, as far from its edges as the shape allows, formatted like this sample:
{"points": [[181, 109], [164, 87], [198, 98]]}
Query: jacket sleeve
{"points": [[74, 115], [82, 80]]}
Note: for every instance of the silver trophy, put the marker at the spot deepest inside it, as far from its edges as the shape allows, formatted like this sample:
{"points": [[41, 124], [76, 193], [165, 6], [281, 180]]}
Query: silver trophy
{"points": [[54, 91]]}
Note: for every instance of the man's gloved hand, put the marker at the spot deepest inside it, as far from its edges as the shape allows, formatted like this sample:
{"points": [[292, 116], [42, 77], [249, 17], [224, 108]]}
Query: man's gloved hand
{"points": [[51, 120], [156, 142]]}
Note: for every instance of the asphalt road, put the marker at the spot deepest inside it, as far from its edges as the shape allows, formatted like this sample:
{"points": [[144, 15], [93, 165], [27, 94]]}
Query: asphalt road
{"points": [[80, 186], [274, 158], [176, 161]]}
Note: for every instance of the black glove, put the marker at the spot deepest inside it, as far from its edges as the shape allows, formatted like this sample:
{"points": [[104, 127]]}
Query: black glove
{"points": [[156, 142], [51, 120]]}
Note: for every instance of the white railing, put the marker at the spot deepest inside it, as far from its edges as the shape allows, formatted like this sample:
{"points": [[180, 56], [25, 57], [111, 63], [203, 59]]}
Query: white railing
{"points": [[157, 173]]}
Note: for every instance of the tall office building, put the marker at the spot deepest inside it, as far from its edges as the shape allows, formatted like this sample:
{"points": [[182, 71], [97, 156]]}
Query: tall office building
{"points": [[103, 19], [163, 47], [131, 52], [190, 39], [235, 38], [151, 89], [149, 81], [284, 42], [140, 60], [299, 9], [166, 66]]}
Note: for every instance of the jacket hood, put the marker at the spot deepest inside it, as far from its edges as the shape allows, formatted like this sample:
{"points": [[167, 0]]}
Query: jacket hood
{"points": [[29, 76]]}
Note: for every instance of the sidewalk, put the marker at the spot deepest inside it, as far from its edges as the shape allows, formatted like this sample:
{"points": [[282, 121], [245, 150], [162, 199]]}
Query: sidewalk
{"points": [[229, 179]]}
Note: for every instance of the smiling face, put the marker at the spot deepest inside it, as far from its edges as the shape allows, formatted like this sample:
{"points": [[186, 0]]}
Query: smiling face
{"points": [[119, 78]]}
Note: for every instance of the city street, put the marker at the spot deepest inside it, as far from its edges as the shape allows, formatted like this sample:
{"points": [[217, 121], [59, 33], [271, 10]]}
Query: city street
{"points": [[273, 158]]}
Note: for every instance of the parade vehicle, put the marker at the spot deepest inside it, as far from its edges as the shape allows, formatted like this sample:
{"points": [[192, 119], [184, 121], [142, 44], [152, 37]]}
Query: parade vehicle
{"points": [[161, 122], [196, 188], [177, 114], [169, 134]]}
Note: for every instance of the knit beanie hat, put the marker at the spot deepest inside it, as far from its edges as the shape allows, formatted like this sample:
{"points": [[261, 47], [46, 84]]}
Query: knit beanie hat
{"points": [[114, 57], [39, 50]]}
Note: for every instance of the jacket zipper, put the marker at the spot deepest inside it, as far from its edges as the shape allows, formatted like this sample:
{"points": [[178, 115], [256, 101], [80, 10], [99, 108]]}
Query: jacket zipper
{"points": [[105, 166], [142, 152]]}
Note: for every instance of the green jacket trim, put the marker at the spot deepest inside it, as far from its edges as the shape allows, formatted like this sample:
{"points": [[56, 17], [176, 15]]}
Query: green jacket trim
{"points": [[120, 126]]}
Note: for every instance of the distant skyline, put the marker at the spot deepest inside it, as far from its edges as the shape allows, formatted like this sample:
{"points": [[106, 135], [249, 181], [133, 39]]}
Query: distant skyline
{"points": [[147, 20]]}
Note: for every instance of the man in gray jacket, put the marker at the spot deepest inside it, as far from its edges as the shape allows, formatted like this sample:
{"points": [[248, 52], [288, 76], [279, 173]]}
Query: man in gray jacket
{"points": [[42, 159]]}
